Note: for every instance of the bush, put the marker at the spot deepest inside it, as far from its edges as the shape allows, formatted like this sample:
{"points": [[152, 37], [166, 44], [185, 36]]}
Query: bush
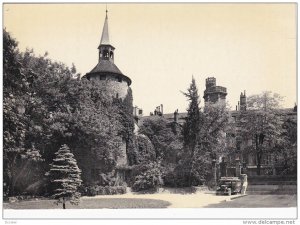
{"points": [[102, 190], [149, 179]]}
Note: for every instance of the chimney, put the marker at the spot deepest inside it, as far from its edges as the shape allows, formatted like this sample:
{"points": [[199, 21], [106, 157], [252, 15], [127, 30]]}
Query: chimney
{"points": [[162, 109], [236, 108], [238, 105], [176, 116], [243, 101]]}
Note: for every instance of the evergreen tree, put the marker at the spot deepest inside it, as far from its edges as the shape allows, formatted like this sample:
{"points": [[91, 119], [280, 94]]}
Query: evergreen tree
{"points": [[65, 177], [190, 132], [191, 127]]}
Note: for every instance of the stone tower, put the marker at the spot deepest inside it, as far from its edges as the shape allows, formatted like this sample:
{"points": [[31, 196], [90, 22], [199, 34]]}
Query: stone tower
{"points": [[106, 72], [213, 93], [108, 75]]}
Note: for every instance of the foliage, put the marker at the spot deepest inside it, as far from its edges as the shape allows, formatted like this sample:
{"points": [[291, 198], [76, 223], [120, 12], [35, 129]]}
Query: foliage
{"points": [[286, 151], [146, 151], [64, 176], [166, 144], [191, 127], [262, 124], [17, 95], [165, 141], [102, 190], [149, 178], [125, 122], [204, 138], [215, 123]]}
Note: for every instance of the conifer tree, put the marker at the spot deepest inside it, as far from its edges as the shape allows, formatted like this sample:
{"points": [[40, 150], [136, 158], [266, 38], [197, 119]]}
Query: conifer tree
{"points": [[65, 177], [191, 127], [191, 130]]}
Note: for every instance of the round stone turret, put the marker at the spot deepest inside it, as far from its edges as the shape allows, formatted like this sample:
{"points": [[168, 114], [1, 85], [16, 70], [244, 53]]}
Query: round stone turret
{"points": [[106, 72]]}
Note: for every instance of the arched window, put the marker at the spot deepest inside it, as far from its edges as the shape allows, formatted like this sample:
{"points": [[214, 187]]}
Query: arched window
{"points": [[117, 95], [111, 55], [105, 53]]}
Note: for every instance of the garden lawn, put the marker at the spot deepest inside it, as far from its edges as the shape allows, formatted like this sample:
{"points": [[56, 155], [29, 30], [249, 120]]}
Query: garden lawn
{"points": [[90, 203]]}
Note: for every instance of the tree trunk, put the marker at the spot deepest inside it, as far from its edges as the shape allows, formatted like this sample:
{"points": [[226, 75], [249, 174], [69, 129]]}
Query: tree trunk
{"points": [[12, 176], [64, 203], [259, 163], [258, 155]]}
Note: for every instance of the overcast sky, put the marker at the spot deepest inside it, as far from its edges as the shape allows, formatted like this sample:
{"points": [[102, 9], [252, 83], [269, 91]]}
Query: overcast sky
{"points": [[248, 47]]}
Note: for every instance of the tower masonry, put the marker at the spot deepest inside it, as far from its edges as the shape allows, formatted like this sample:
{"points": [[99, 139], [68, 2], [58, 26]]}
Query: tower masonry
{"points": [[213, 93], [106, 72]]}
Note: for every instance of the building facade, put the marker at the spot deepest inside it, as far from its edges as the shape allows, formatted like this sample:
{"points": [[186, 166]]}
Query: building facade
{"points": [[236, 146]]}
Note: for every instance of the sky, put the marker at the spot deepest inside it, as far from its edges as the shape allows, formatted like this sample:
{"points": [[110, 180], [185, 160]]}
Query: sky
{"points": [[160, 47]]}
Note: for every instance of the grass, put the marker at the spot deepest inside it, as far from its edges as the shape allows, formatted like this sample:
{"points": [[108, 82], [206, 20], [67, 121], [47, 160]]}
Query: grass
{"points": [[259, 201], [115, 203]]}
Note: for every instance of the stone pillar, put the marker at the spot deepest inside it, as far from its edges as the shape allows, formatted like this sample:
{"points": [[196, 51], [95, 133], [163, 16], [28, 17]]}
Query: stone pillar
{"points": [[237, 167]]}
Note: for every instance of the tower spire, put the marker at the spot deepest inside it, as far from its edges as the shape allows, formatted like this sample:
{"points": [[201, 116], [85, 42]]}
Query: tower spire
{"points": [[105, 33]]}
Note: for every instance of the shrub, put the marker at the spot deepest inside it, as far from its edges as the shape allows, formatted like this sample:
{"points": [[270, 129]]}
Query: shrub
{"points": [[102, 190], [149, 179]]}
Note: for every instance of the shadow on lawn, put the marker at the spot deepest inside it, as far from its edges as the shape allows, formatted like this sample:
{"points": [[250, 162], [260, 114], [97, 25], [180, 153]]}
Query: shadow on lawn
{"points": [[108, 203]]}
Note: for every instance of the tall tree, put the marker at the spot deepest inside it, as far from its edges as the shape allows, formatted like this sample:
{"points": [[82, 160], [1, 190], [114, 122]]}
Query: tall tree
{"points": [[204, 137], [65, 177], [211, 140], [191, 127], [17, 93], [190, 132], [262, 124]]}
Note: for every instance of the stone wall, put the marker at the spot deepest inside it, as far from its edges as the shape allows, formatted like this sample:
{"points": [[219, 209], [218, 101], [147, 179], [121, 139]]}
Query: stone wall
{"points": [[112, 84]]}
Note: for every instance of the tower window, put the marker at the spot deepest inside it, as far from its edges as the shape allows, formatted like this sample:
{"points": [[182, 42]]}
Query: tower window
{"points": [[105, 53], [111, 55], [102, 77]]}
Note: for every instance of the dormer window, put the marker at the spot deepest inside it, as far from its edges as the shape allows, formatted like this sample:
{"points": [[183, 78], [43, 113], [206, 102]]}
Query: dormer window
{"points": [[102, 77], [119, 79]]}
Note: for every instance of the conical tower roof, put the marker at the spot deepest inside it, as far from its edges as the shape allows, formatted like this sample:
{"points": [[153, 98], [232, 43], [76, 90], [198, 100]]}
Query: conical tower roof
{"points": [[106, 57], [105, 33]]}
